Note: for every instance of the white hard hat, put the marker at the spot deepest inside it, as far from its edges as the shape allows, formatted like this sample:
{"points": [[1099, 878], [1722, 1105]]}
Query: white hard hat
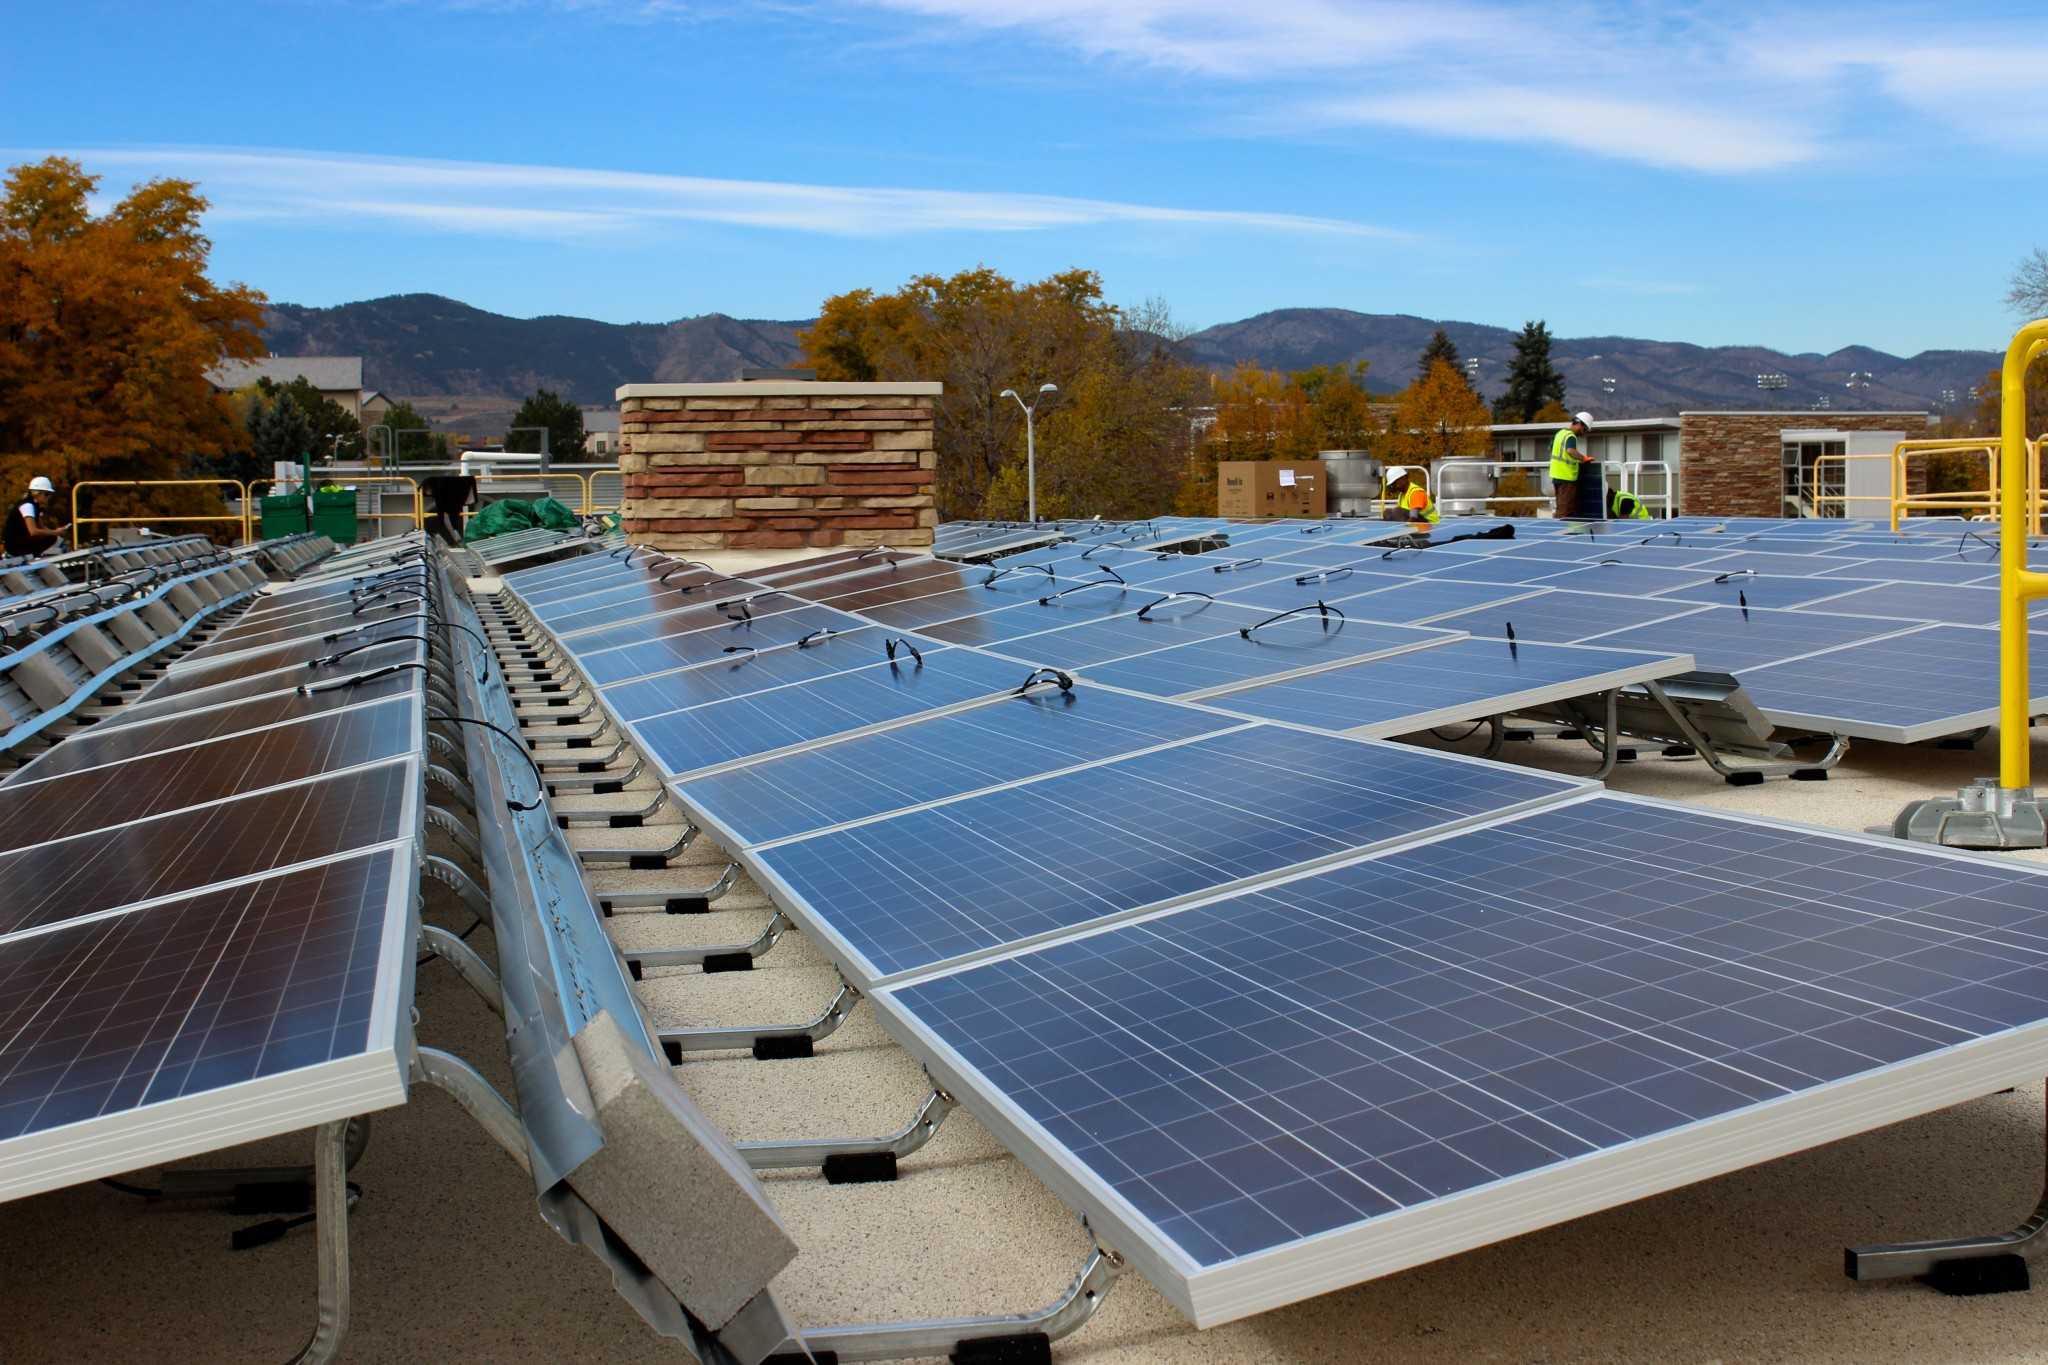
{"points": [[40, 484], [1585, 417]]}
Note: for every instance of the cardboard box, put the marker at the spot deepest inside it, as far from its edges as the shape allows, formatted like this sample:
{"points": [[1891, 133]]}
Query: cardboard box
{"points": [[1272, 488]]}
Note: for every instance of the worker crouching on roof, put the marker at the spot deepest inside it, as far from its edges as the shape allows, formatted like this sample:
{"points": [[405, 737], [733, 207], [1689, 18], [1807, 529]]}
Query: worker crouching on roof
{"points": [[30, 528], [1414, 501], [1568, 450]]}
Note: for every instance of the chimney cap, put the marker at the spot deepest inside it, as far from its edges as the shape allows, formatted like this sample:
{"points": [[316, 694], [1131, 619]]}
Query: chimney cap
{"points": [[750, 376]]}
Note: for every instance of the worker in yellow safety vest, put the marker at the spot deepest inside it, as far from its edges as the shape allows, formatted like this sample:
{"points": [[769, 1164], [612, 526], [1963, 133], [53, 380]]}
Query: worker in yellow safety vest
{"points": [[1568, 450], [1413, 501]]}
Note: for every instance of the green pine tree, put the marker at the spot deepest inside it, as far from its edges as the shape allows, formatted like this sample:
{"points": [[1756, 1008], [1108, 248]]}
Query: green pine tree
{"points": [[1440, 347], [563, 420], [1533, 382]]}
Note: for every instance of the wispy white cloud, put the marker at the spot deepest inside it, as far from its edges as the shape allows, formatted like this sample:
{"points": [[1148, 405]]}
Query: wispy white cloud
{"points": [[513, 200], [1710, 91]]}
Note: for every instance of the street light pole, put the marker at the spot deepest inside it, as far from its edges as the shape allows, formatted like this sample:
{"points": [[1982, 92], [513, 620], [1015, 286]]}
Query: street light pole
{"points": [[1030, 446]]}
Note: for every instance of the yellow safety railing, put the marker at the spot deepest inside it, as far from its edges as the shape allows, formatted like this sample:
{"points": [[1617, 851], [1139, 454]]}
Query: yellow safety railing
{"points": [[590, 506], [2017, 584], [415, 518], [241, 489], [1955, 501], [1822, 499]]}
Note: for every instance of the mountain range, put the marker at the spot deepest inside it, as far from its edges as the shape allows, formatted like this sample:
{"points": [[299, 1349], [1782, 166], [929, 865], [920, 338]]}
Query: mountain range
{"points": [[463, 366]]}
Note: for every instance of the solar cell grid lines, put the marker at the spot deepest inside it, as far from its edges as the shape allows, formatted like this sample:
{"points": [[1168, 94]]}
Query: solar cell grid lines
{"points": [[729, 604], [1308, 639], [1451, 1027], [1909, 571], [748, 671], [931, 760], [1735, 639], [1640, 580], [177, 729], [1463, 679], [1923, 683], [153, 784], [234, 996], [706, 644], [603, 610], [187, 849], [969, 876], [1174, 622], [162, 700], [684, 742], [184, 677], [1562, 617], [1764, 590]]}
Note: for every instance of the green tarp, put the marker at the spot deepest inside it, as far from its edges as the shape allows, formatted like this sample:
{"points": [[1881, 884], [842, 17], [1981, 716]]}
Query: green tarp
{"points": [[510, 514]]}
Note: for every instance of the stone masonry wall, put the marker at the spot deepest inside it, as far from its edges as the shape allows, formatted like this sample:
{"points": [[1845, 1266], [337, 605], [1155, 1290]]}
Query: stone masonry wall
{"points": [[778, 464], [1732, 460]]}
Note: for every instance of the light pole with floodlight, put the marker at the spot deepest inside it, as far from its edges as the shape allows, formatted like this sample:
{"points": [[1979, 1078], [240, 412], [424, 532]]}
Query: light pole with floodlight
{"points": [[1030, 447]]}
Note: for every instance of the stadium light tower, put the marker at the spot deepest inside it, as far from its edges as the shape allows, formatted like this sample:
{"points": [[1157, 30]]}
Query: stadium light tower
{"points": [[1030, 445]]}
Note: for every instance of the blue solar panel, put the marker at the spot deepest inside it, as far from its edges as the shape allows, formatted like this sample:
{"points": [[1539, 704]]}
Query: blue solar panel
{"points": [[684, 741], [1735, 639], [710, 642], [1424, 600], [1950, 604], [191, 996], [1636, 579], [746, 672], [689, 588], [1330, 585], [1767, 562], [1563, 617], [1764, 590], [934, 884], [702, 613], [1466, 679], [1500, 569], [1319, 1054], [1888, 551], [1299, 642], [1933, 681], [1910, 571], [935, 759], [1180, 621]]}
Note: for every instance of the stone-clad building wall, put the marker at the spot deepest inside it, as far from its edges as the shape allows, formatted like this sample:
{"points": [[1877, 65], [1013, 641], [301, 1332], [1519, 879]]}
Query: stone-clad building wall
{"points": [[1733, 460], [777, 464]]}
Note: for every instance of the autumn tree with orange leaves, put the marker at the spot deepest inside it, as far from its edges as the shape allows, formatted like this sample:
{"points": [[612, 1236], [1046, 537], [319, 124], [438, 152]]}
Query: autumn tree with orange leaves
{"points": [[108, 326]]}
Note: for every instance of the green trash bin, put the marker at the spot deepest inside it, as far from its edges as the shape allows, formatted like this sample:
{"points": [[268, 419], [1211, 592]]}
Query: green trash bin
{"points": [[284, 514], [334, 515]]}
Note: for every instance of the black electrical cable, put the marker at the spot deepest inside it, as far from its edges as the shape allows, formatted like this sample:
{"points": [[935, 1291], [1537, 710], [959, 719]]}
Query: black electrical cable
{"points": [[539, 777], [139, 1191]]}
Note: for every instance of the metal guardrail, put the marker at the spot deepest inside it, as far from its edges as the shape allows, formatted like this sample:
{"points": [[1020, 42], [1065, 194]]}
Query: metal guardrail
{"points": [[1632, 481], [77, 520], [414, 519]]}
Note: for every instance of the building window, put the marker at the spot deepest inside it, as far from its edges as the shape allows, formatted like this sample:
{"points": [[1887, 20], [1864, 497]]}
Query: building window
{"points": [[1813, 489]]}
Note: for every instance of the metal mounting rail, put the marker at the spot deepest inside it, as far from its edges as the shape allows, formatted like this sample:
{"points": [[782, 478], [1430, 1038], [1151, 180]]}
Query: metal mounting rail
{"points": [[597, 783], [769, 1043], [731, 957], [867, 1154], [688, 901], [649, 858]]}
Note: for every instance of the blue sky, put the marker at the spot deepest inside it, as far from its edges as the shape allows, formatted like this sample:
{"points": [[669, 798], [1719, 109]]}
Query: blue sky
{"points": [[1708, 173]]}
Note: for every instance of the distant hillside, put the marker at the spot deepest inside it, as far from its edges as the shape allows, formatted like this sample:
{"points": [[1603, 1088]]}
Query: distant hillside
{"points": [[1650, 376], [472, 363]]}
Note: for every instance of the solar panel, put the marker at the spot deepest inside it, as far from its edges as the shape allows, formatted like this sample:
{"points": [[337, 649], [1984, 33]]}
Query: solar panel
{"points": [[175, 729], [834, 565], [1927, 682], [744, 673], [1765, 590], [1464, 680], [257, 1010], [34, 813], [1910, 571], [744, 727], [1519, 569], [185, 678], [1178, 622], [160, 701], [184, 850], [1274, 1095], [933, 885], [1424, 601], [690, 588], [708, 612], [709, 642], [1278, 649], [1637, 579], [931, 760], [1564, 618], [1735, 639], [1949, 603]]}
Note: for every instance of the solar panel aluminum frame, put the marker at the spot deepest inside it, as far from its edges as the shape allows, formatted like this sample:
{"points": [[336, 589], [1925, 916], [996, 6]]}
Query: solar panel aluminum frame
{"points": [[855, 967], [268, 1106], [1653, 668], [1959, 722], [1505, 1208]]}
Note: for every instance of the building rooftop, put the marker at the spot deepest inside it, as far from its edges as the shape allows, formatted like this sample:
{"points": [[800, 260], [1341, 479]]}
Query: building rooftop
{"points": [[328, 373]]}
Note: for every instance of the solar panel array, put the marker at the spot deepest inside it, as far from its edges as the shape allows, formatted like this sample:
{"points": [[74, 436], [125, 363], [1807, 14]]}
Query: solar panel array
{"points": [[208, 936], [1281, 1010]]}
